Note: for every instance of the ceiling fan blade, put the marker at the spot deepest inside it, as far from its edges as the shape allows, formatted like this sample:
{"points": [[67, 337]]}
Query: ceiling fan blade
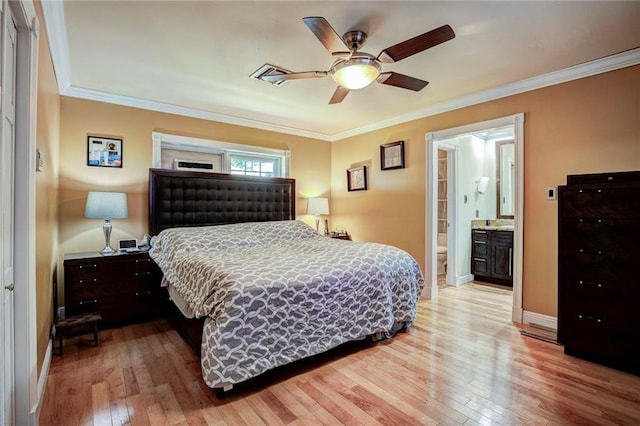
{"points": [[339, 95], [325, 33], [274, 78], [402, 81], [416, 44]]}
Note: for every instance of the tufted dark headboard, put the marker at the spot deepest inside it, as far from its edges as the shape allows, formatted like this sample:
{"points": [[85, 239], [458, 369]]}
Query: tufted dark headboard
{"points": [[178, 198]]}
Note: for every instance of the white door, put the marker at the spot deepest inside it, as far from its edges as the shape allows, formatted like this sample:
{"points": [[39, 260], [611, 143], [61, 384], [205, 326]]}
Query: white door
{"points": [[7, 150]]}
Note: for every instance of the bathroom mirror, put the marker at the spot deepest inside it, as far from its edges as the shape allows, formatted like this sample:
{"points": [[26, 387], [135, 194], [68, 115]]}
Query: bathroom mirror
{"points": [[505, 175]]}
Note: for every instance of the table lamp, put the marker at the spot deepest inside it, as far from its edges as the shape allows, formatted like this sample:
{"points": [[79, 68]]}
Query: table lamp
{"points": [[318, 206], [107, 206]]}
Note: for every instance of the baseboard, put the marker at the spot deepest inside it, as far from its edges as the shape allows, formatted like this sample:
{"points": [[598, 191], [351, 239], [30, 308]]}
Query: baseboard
{"points": [[516, 314], [464, 279], [540, 320], [429, 292], [42, 380]]}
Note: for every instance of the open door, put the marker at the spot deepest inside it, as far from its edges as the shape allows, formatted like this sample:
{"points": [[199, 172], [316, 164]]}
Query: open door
{"points": [[7, 153]]}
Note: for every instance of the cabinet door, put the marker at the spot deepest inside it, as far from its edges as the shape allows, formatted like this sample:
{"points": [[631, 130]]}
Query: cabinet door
{"points": [[501, 261]]}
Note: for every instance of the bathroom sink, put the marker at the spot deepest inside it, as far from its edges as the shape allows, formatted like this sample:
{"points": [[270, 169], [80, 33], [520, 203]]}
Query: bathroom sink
{"points": [[493, 227]]}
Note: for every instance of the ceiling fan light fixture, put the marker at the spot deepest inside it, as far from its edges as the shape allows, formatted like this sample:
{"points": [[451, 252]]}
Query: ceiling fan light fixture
{"points": [[355, 73]]}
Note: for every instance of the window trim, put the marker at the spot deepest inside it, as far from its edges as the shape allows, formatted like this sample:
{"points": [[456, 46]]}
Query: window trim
{"points": [[187, 143]]}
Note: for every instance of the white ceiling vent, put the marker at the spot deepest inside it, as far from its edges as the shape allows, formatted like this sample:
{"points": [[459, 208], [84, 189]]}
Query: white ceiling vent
{"points": [[268, 69]]}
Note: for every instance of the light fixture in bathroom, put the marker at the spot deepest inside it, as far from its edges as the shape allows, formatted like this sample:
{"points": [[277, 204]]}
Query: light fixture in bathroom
{"points": [[482, 184]]}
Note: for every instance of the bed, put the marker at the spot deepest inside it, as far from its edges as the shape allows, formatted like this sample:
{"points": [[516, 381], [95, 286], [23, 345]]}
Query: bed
{"points": [[270, 289]]}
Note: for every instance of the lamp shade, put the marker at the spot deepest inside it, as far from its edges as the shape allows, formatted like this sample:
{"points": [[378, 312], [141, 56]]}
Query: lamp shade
{"points": [[318, 206], [106, 205]]}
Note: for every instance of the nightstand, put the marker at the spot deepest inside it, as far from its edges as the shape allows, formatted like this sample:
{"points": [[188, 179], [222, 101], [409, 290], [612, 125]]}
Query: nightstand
{"points": [[123, 288], [341, 236]]}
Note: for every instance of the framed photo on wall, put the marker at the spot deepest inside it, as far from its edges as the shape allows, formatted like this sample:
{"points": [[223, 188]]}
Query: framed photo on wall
{"points": [[104, 152], [392, 155], [357, 178]]}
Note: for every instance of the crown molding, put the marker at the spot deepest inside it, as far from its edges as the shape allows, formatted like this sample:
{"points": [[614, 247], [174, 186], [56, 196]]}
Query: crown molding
{"points": [[111, 98], [587, 69], [53, 12]]}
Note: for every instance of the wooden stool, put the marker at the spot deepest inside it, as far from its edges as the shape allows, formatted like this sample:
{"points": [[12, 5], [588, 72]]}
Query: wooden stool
{"points": [[67, 326]]}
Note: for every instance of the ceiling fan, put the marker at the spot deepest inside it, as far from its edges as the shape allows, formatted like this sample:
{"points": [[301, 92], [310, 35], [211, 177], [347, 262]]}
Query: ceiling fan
{"points": [[355, 70]]}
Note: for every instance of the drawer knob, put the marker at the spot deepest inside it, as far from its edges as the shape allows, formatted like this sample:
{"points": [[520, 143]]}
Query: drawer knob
{"points": [[142, 260], [92, 280], [86, 302], [138, 274], [477, 259], [143, 293]]}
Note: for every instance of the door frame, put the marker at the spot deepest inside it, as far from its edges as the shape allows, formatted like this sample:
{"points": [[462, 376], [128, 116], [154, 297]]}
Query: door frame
{"points": [[8, 50], [431, 151], [25, 320]]}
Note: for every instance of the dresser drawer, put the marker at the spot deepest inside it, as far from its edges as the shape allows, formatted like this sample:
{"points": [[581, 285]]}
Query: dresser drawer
{"points": [[605, 268], [106, 285], [593, 302], [605, 340], [600, 202], [618, 235], [137, 305]]}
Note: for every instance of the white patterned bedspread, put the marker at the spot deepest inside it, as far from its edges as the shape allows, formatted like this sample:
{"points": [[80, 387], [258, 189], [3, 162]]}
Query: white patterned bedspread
{"points": [[277, 292]]}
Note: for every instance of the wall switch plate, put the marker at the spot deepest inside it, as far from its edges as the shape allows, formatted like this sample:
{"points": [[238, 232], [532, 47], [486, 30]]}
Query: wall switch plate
{"points": [[551, 193], [39, 161]]}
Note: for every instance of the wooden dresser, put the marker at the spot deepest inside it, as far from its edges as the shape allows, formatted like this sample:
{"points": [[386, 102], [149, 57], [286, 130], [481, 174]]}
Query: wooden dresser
{"points": [[123, 287], [598, 257]]}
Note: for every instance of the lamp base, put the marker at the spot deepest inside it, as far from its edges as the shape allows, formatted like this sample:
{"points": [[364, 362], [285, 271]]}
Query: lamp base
{"points": [[106, 228], [107, 251]]}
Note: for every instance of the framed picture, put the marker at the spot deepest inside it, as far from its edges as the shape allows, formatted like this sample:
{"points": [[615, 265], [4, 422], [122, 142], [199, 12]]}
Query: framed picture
{"points": [[392, 155], [357, 178], [104, 152]]}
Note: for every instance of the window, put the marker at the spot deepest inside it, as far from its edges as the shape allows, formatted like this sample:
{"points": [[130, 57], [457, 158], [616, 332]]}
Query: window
{"points": [[232, 158], [254, 165]]}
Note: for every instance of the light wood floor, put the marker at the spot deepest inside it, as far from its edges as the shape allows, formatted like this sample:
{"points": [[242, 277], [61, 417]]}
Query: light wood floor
{"points": [[464, 362]]}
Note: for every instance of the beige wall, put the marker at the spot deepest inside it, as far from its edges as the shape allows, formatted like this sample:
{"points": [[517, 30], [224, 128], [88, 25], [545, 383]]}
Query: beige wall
{"points": [[584, 126], [589, 125], [310, 165], [48, 119]]}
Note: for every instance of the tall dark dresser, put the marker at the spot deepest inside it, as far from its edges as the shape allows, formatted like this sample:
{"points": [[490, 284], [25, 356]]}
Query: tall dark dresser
{"points": [[598, 264]]}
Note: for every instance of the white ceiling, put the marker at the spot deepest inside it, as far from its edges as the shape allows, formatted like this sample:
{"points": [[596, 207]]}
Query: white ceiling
{"points": [[195, 58]]}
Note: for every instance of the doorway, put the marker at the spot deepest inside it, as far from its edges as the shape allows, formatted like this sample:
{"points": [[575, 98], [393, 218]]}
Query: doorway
{"points": [[446, 198], [456, 252]]}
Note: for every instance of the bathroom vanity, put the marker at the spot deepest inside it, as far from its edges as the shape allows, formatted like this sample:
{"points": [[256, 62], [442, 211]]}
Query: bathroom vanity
{"points": [[492, 254]]}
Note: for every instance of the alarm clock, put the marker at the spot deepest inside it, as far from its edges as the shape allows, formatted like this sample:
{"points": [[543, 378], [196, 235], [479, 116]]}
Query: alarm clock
{"points": [[128, 245]]}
